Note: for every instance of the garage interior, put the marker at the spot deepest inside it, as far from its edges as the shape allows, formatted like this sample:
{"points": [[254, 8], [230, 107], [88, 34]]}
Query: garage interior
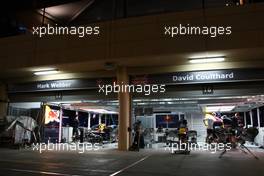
{"points": [[189, 101]]}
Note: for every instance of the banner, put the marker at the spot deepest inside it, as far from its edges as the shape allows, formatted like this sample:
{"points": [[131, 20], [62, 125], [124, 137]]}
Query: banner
{"points": [[51, 115]]}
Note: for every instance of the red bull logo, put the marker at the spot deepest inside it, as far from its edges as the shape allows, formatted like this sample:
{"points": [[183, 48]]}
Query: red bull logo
{"points": [[51, 115]]}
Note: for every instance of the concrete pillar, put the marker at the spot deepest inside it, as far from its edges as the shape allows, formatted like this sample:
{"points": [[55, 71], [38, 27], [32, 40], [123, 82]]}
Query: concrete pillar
{"points": [[251, 118], [3, 102], [130, 139], [245, 119], [100, 119], [258, 116], [192, 121], [89, 121], [124, 117], [60, 125]]}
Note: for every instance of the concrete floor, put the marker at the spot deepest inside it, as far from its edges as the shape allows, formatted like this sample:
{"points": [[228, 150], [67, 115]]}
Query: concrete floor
{"points": [[146, 162]]}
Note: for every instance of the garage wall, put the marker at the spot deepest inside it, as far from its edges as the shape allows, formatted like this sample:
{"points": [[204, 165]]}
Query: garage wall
{"points": [[128, 38], [260, 137]]}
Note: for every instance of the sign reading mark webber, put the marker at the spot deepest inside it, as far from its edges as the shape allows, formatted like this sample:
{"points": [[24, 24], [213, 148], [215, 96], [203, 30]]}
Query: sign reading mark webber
{"points": [[58, 85]]}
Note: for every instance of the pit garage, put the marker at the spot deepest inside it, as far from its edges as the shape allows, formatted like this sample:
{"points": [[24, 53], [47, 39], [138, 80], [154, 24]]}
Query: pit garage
{"points": [[159, 113]]}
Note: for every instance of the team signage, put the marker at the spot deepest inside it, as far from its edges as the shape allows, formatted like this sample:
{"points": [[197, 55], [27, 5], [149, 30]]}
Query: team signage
{"points": [[202, 76], [194, 77], [57, 85]]}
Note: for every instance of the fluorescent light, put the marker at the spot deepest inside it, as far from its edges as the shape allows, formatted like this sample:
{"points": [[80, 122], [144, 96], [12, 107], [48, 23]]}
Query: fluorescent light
{"points": [[219, 108], [43, 69], [46, 72], [206, 60]]}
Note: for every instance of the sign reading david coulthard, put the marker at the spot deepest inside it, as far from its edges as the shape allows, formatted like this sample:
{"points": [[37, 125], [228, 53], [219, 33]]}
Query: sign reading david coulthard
{"points": [[196, 77], [204, 76]]}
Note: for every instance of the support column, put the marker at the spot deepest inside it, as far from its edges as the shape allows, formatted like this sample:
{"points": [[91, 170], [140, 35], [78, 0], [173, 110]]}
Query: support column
{"points": [[251, 118], [89, 121], [130, 139], [245, 119], [100, 119], [192, 121], [3, 102], [60, 125], [124, 117], [258, 115]]}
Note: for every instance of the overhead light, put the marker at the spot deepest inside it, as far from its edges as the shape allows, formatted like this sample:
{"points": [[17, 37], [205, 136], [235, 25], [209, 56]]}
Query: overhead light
{"points": [[46, 72], [206, 60], [219, 108], [43, 69]]}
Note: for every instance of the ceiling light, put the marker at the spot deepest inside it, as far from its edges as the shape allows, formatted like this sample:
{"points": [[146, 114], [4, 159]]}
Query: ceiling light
{"points": [[46, 72], [206, 60], [43, 69], [219, 108]]}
